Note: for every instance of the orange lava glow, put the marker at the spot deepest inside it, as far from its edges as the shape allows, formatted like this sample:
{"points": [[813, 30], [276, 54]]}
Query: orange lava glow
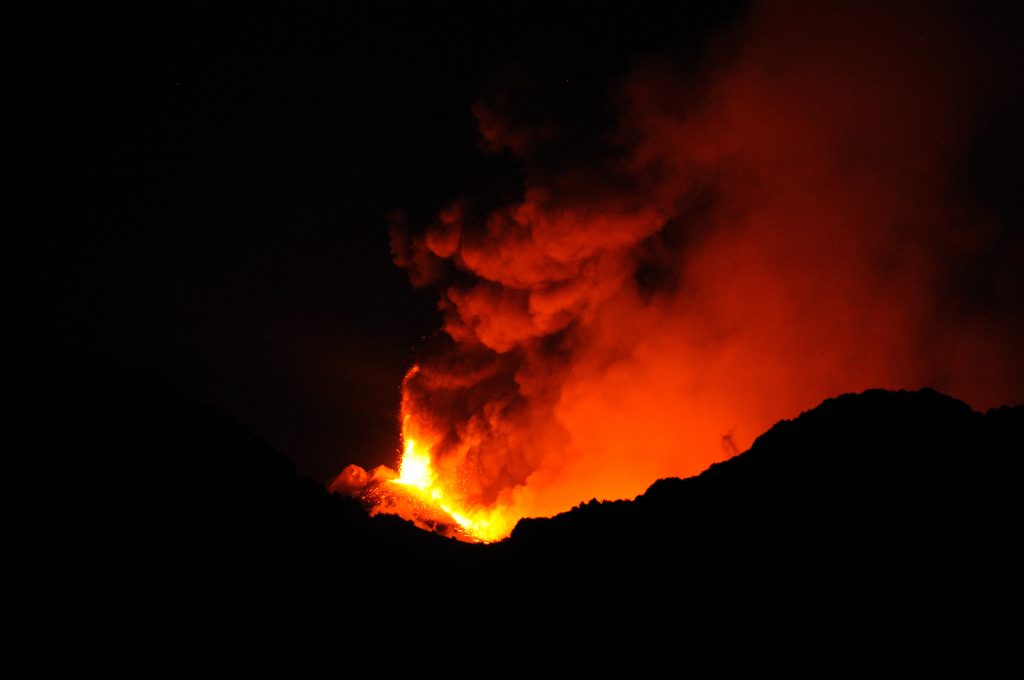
{"points": [[416, 473], [415, 469]]}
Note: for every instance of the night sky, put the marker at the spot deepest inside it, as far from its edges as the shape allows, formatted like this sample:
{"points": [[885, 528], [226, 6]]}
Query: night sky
{"points": [[230, 176]]}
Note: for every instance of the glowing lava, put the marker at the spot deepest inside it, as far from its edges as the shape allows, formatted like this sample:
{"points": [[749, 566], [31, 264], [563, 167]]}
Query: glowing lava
{"points": [[415, 469], [416, 473], [425, 491]]}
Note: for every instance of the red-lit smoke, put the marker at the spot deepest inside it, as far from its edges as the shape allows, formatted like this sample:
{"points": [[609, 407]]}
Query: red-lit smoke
{"points": [[777, 227]]}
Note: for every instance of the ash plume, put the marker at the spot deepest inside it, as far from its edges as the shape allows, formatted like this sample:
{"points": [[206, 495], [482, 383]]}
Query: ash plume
{"points": [[784, 222]]}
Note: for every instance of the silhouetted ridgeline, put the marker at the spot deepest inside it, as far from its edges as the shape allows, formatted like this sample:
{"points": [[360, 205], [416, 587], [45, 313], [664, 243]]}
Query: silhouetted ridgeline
{"points": [[878, 528]]}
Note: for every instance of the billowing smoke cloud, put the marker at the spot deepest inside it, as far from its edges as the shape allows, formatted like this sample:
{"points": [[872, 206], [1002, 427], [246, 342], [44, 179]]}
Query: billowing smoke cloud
{"points": [[780, 226]]}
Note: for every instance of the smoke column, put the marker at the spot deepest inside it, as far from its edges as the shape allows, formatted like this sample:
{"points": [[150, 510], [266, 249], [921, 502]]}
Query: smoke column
{"points": [[780, 225]]}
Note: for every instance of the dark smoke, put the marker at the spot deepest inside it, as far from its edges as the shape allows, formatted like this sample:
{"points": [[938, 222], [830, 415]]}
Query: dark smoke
{"points": [[720, 248]]}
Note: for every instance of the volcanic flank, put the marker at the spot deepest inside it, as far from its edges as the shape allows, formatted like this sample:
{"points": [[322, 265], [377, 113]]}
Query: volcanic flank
{"points": [[876, 528]]}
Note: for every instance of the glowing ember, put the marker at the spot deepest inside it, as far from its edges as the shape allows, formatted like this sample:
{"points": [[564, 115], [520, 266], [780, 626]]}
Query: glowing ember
{"points": [[415, 469], [420, 493], [416, 472]]}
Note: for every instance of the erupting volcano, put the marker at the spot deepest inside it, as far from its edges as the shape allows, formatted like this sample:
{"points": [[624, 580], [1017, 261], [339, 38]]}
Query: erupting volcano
{"points": [[635, 340], [418, 493], [724, 247]]}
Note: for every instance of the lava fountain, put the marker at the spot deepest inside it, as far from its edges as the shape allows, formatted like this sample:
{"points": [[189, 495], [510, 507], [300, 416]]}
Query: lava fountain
{"points": [[418, 493]]}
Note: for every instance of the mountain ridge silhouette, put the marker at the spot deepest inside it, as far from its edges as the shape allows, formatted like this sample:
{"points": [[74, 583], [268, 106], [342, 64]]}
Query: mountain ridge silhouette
{"points": [[876, 528]]}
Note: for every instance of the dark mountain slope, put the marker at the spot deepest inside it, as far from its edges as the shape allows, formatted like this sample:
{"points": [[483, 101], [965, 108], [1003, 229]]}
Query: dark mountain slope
{"points": [[878, 528], [859, 461]]}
